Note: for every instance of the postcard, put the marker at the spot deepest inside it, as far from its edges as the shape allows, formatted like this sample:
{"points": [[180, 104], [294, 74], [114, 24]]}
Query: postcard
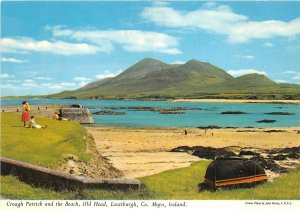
{"points": [[150, 104]]}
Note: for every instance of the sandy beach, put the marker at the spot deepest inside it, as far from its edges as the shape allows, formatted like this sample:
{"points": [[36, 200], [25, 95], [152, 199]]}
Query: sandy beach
{"points": [[145, 151], [238, 101]]}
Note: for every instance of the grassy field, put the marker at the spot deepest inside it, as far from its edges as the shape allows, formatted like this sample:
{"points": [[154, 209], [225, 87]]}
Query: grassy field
{"points": [[46, 147], [174, 184], [49, 146]]}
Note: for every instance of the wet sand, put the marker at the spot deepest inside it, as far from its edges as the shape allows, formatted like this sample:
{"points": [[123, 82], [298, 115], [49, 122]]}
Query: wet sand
{"points": [[145, 151]]}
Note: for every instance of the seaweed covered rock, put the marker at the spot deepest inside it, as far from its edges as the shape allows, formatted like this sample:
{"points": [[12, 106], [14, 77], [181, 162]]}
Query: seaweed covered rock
{"points": [[210, 153], [269, 164]]}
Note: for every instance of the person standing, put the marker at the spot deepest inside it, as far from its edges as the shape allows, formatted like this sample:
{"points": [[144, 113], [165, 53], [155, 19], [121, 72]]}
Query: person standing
{"points": [[185, 130], [25, 114]]}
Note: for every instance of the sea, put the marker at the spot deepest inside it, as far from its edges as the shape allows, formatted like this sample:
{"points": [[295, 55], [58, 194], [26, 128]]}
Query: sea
{"points": [[210, 113]]}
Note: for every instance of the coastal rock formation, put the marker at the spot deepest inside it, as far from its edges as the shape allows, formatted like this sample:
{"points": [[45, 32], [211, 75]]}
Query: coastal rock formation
{"points": [[267, 162], [280, 113], [266, 121], [205, 152], [234, 112], [109, 112]]}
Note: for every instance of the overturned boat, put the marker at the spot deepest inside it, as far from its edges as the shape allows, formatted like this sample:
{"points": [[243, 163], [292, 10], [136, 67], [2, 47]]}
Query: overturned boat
{"points": [[233, 172]]}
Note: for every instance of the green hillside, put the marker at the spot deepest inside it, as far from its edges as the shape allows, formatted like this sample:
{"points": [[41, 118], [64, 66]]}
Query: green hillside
{"points": [[153, 79]]}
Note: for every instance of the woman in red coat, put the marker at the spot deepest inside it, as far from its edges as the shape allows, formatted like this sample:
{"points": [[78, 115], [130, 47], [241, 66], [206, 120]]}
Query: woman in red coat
{"points": [[25, 115]]}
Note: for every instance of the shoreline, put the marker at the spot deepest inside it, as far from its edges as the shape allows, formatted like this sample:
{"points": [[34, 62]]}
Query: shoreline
{"points": [[238, 101], [139, 152]]}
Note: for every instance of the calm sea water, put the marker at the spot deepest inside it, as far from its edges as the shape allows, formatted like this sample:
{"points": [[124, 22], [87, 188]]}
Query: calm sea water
{"points": [[192, 118]]}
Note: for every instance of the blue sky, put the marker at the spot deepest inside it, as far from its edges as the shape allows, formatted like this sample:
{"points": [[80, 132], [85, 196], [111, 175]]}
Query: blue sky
{"points": [[47, 47]]}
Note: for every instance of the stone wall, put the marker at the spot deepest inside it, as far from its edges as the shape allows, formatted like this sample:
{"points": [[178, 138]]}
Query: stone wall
{"points": [[57, 180], [79, 114]]}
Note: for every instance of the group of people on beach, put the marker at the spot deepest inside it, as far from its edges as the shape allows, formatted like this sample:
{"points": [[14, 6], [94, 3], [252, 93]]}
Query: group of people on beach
{"points": [[26, 118]]}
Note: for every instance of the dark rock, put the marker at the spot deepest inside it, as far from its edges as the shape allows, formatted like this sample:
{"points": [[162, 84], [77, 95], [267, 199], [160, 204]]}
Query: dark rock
{"points": [[246, 152], [233, 112], [171, 112], [293, 155], [210, 153], [266, 121], [280, 113], [181, 149], [269, 164], [246, 131], [290, 150], [109, 112], [209, 127], [279, 157], [274, 131]]}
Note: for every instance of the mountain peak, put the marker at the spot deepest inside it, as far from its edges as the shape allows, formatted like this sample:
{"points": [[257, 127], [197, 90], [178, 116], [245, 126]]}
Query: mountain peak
{"points": [[150, 60]]}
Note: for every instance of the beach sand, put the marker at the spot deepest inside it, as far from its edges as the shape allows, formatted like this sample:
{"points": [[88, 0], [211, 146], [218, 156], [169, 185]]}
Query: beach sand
{"points": [[145, 151]]}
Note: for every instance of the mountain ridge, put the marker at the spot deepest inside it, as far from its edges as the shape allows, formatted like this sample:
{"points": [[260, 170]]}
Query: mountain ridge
{"points": [[151, 78]]}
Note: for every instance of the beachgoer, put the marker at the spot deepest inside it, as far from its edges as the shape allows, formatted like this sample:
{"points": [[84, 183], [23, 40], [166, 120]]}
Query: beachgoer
{"points": [[25, 115], [185, 130], [57, 117], [33, 124]]}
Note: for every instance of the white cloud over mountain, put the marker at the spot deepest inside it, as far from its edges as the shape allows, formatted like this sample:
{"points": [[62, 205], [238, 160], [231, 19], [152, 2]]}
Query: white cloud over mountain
{"points": [[221, 20], [27, 45], [240, 72], [130, 40]]}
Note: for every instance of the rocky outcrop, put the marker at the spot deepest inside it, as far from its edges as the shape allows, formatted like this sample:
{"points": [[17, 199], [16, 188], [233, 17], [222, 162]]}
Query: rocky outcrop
{"points": [[270, 161]]}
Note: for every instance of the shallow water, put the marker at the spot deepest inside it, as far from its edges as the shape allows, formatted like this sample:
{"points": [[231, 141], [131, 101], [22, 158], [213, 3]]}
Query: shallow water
{"points": [[210, 115]]}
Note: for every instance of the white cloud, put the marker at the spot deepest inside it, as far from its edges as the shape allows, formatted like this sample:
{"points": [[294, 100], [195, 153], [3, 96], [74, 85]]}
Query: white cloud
{"points": [[6, 76], [83, 83], [130, 40], [60, 85], [81, 79], [43, 78], [108, 74], [28, 80], [178, 62], [30, 84], [221, 20], [296, 77], [26, 45], [268, 44], [290, 72], [13, 60], [9, 86], [240, 72], [248, 57], [281, 81]]}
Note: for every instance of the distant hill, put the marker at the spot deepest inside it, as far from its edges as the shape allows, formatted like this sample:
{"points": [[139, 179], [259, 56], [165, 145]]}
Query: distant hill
{"points": [[153, 79]]}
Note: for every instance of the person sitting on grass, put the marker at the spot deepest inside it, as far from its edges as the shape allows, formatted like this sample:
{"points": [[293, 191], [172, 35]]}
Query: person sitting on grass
{"points": [[33, 124], [57, 117]]}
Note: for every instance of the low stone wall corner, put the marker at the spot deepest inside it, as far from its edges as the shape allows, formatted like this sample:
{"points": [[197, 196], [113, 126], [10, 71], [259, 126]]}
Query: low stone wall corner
{"points": [[57, 180]]}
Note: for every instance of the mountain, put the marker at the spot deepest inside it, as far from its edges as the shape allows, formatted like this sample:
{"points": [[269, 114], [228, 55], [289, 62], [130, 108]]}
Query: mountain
{"points": [[154, 79]]}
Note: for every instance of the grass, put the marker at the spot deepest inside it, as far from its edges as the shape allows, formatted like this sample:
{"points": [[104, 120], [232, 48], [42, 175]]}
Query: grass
{"points": [[46, 147], [173, 184]]}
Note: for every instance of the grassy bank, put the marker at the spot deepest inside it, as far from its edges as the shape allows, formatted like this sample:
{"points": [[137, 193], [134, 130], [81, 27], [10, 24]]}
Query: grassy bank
{"points": [[174, 184], [46, 147]]}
